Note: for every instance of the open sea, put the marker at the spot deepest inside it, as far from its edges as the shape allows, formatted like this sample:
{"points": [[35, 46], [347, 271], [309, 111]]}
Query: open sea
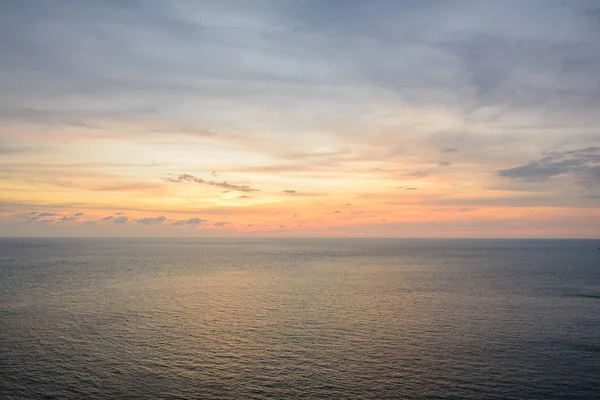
{"points": [[299, 319]]}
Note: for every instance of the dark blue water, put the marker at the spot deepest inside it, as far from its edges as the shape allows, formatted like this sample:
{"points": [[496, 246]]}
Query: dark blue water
{"points": [[299, 319]]}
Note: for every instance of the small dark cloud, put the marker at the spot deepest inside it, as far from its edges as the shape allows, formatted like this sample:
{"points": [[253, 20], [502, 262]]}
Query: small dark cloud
{"points": [[107, 218], [224, 185], [289, 191], [120, 220], [445, 164], [46, 214], [188, 222], [151, 221], [244, 197], [249, 225], [185, 131], [282, 226], [466, 209], [119, 213], [337, 212], [348, 204], [419, 174], [220, 223], [67, 219], [449, 150], [407, 188], [46, 221], [79, 214]]}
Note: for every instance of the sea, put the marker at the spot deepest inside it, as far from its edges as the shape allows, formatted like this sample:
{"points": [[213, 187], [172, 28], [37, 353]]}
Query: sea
{"points": [[295, 318]]}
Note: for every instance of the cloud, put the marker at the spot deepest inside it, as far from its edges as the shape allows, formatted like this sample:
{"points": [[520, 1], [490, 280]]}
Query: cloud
{"points": [[67, 219], [185, 131], [120, 220], [444, 164], [7, 149], [583, 164], [290, 191], [449, 150], [79, 214], [151, 221], [107, 218], [119, 213], [244, 197], [419, 174], [407, 188], [223, 185], [190, 221], [220, 223], [46, 214]]}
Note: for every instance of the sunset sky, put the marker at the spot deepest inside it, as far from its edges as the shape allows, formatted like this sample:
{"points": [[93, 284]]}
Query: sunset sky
{"points": [[300, 118]]}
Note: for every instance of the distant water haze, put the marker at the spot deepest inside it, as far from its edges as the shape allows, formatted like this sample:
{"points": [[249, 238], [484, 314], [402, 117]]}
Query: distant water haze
{"points": [[299, 319]]}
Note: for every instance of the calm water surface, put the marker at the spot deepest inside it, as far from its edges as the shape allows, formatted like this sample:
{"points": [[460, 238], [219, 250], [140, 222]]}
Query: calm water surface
{"points": [[299, 319]]}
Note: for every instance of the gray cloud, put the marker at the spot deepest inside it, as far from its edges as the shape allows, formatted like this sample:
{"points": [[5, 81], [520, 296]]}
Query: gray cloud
{"points": [[444, 164], [290, 191], [46, 214], [407, 188], [190, 221], [107, 218], [67, 219], [220, 223], [120, 220], [151, 221], [223, 185], [7, 149], [187, 131], [583, 164], [449, 150], [79, 214]]}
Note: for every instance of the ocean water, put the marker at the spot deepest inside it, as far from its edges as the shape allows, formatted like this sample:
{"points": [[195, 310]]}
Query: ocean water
{"points": [[299, 319]]}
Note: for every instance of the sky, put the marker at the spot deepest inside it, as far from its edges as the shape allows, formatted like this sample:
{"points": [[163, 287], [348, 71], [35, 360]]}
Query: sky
{"points": [[300, 118]]}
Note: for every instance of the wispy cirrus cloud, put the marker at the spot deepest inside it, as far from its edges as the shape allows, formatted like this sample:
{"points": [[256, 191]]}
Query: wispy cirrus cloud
{"points": [[223, 185]]}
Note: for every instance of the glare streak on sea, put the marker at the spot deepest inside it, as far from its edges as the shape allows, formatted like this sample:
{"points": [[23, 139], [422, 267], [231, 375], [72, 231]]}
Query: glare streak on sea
{"points": [[299, 319]]}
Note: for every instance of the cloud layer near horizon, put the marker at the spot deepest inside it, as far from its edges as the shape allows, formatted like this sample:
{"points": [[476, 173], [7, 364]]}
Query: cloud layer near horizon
{"points": [[235, 117]]}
